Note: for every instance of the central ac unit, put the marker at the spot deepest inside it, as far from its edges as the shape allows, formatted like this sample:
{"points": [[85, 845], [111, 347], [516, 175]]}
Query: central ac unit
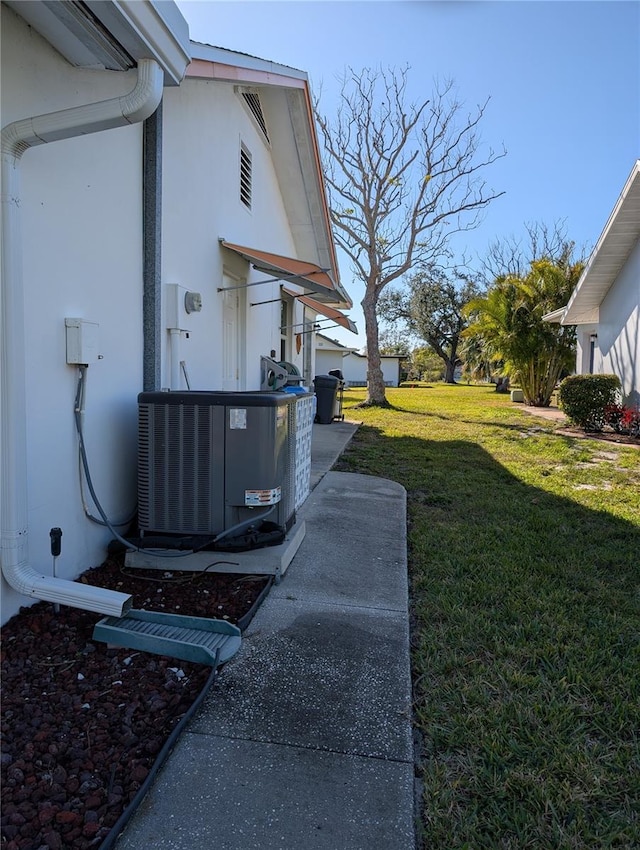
{"points": [[209, 461]]}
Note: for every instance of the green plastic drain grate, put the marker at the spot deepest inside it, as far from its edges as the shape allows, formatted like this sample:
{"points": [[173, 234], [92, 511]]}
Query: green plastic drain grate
{"points": [[195, 639]]}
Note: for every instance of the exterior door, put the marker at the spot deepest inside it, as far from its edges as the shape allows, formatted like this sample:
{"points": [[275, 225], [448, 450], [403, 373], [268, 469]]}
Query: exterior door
{"points": [[231, 335]]}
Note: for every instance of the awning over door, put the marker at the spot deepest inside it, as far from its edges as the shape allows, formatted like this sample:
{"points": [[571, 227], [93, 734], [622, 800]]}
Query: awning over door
{"points": [[303, 273], [325, 310]]}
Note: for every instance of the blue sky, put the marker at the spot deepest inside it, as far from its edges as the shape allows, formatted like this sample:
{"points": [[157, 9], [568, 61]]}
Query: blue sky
{"points": [[563, 77]]}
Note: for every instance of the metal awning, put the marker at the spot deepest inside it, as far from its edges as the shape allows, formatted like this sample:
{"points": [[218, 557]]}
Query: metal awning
{"points": [[301, 272], [325, 310]]}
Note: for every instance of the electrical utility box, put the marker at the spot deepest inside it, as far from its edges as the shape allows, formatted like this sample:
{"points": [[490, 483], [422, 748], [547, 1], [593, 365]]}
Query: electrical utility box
{"points": [[82, 342], [210, 460]]}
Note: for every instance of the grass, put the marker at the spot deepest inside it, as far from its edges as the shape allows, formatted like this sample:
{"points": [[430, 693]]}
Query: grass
{"points": [[524, 556]]}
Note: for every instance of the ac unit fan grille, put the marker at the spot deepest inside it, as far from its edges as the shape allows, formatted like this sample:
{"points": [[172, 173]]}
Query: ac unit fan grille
{"points": [[175, 468]]}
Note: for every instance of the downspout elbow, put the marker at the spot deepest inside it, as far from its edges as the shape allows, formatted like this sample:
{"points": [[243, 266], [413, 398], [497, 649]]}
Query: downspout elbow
{"points": [[132, 108], [145, 98], [23, 578]]}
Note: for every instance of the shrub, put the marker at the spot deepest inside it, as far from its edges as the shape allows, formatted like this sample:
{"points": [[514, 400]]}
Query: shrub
{"points": [[613, 416], [585, 399]]}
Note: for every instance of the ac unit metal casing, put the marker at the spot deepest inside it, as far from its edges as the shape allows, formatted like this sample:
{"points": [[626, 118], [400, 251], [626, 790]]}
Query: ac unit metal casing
{"points": [[210, 460]]}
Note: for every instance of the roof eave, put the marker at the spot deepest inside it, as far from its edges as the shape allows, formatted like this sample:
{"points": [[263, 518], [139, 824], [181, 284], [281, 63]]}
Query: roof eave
{"points": [[621, 233], [113, 34]]}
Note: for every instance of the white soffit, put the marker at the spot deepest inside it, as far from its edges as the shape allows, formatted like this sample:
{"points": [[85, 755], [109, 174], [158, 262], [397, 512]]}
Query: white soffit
{"points": [[616, 243], [112, 34], [233, 61]]}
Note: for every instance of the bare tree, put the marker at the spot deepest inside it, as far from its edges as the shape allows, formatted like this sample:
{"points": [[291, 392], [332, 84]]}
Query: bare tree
{"points": [[512, 257], [401, 180]]}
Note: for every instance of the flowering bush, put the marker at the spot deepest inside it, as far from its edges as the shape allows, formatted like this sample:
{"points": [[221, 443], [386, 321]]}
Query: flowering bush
{"points": [[584, 398], [623, 420], [630, 422]]}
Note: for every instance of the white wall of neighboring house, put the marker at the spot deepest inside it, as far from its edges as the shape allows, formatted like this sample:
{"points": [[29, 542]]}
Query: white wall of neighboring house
{"points": [[355, 369], [329, 356], [612, 345], [618, 343], [587, 357], [82, 257], [327, 361], [605, 304], [353, 365]]}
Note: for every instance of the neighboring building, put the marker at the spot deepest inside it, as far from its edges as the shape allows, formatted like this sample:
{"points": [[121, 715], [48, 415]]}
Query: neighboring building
{"points": [[331, 354], [605, 305], [112, 253]]}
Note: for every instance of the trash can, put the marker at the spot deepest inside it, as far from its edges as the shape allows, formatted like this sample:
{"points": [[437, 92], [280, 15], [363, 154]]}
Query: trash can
{"points": [[337, 411], [326, 388]]}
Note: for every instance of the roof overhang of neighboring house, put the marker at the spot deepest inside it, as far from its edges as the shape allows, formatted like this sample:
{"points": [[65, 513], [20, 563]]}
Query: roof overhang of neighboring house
{"points": [[382, 356], [619, 237], [328, 344], [325, 310], [112, 34], [285, 100]]}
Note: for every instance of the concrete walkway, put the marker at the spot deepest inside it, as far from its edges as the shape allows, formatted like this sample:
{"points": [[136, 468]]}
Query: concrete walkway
{"points": [[554, 414], [304, 741]]}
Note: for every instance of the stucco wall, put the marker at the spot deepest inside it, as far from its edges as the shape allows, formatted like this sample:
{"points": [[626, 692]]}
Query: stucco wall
{"points": [[355, 370], [204, 124], [326, 360], [82, 224], [353, 366], [618, 349], [584, 366], [82, 257]]}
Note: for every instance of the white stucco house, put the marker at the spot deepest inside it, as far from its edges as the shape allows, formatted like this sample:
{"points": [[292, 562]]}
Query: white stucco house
{"points": [[164, 224], [331, 355], [605, 305], [244, 202]]}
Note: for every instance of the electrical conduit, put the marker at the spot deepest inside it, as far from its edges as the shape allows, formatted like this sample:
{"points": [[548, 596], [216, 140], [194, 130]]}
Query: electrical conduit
{"points": [[17, 138]]}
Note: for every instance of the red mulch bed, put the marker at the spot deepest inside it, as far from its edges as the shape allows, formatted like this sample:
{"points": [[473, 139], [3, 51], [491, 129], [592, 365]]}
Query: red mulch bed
{"points": [[83, 723]]}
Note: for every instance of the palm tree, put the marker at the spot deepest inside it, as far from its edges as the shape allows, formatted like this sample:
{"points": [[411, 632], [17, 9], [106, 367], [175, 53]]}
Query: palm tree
{"points": [[508, 324]]}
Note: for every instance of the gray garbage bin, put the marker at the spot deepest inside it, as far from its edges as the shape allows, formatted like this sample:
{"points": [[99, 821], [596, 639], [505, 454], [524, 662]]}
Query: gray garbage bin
{"points": [[326, 388]]}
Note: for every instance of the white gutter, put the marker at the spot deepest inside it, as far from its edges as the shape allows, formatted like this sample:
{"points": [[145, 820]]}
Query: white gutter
{"points": [[555, 317], [17, 138]]}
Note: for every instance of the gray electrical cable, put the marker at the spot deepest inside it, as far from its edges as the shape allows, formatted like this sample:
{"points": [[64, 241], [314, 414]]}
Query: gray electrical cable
{"points": [[127, 543], [85, 465], [79, 407]]}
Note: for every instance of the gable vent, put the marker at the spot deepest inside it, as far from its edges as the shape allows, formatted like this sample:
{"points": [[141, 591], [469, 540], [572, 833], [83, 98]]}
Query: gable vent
{"points": [[255, 108], [245, 176]]}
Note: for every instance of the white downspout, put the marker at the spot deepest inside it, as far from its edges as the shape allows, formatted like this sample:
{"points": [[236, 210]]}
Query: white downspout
{"points": [[17, 138], [174, 345]]}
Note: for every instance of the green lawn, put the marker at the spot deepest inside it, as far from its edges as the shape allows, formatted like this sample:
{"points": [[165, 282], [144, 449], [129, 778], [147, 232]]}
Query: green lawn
{"points": [[524, 558]]}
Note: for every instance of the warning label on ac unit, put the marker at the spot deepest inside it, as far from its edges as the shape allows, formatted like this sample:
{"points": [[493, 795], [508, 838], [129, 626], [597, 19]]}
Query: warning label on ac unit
{"points": [[238, 418], [255, 498]]}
